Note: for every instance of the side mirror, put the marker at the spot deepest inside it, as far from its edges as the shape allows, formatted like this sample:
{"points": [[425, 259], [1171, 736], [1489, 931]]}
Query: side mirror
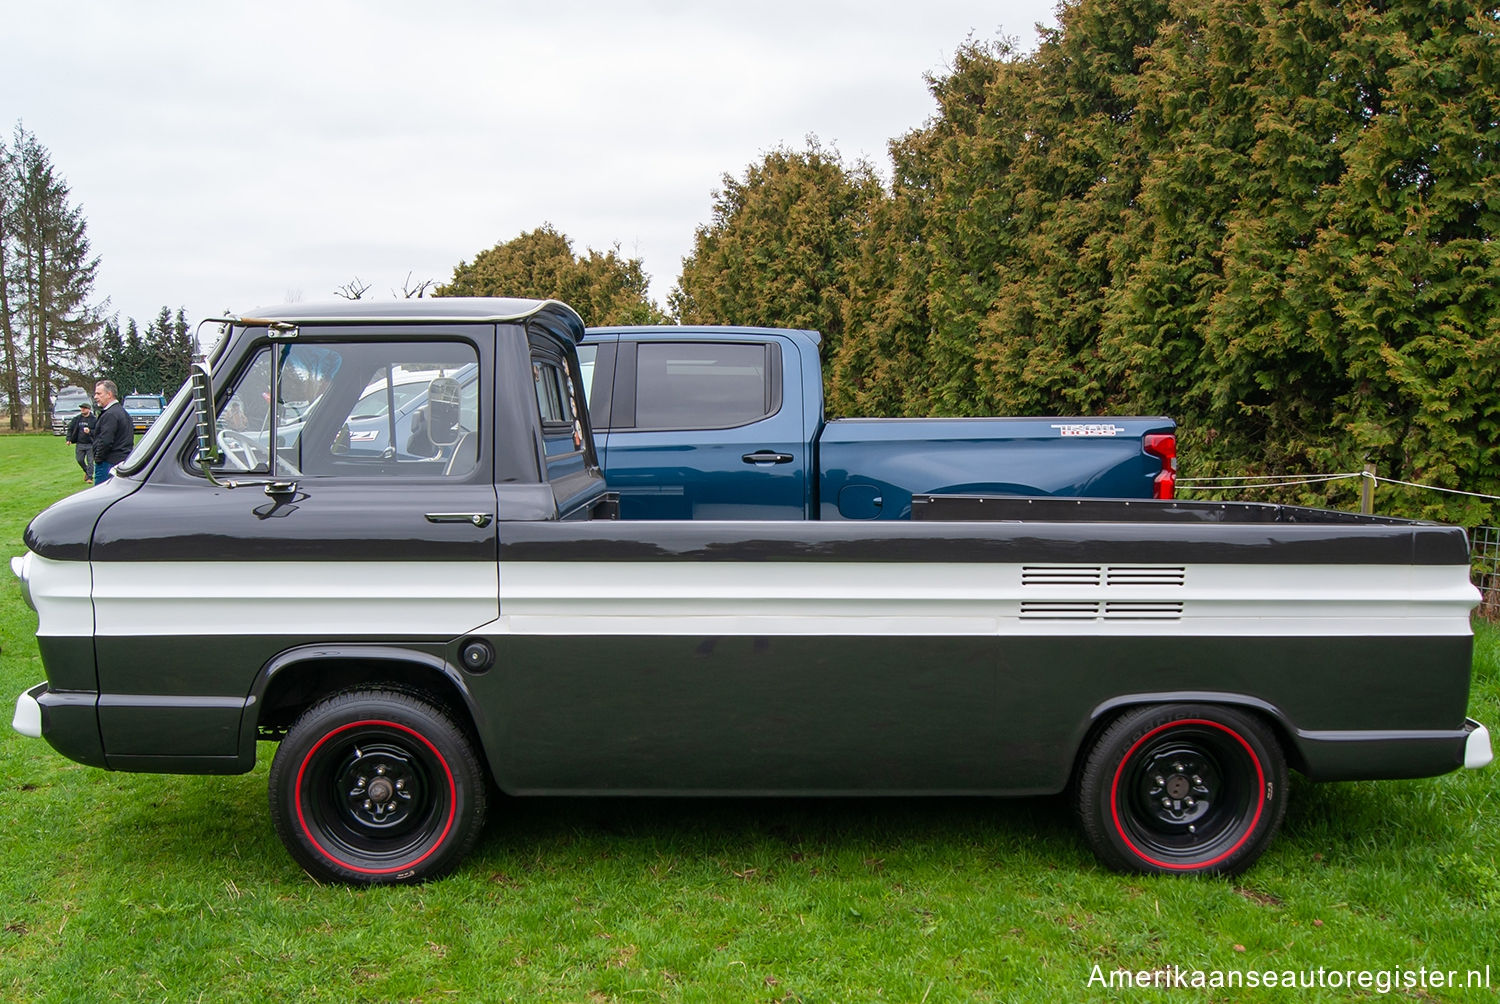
{"points": [[444, 395], [203, 407]]}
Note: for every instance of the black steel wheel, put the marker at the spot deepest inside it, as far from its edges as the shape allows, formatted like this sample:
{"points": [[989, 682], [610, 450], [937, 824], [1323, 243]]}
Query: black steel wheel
{"points": [[376, 787], [1182, 788]]}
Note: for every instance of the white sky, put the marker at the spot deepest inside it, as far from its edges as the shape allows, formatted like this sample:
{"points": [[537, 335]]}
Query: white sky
{"points": [[233, 155]]}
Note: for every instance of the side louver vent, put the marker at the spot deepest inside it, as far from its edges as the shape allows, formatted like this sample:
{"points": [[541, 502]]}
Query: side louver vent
{"points": [[1140, 576], [1082, 610], [1061, 575], [1059, 611], [1103, 575], [1147, 611]]}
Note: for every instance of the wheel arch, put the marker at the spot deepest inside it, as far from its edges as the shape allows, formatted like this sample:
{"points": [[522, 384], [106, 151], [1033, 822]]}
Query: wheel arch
{"points": [[299, 677], [1107, 712]]}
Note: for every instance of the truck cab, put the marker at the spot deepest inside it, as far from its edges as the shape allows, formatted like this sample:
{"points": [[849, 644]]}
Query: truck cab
{"points": [[706, 423]]}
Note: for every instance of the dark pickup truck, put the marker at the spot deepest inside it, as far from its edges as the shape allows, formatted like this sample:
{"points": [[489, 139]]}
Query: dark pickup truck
{"points": [[695, 422], [410, 626]]}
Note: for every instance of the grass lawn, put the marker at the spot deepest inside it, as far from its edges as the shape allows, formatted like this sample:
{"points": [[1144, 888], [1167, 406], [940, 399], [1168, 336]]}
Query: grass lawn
{"points": [[144, 887]]}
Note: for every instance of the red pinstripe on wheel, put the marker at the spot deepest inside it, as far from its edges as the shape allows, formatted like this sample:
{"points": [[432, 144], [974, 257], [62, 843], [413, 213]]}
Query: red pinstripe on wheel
{"points": [[1114, 800], [447, 773]]}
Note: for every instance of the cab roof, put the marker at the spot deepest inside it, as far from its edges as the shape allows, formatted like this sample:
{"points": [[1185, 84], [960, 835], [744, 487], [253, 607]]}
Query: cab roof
{"points": [[556, 314]]}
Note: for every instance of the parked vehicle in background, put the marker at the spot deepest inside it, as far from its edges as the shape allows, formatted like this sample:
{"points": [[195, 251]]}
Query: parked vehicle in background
{"points": [[374, 427], [705, 422], [144, 409], [65, 406]]}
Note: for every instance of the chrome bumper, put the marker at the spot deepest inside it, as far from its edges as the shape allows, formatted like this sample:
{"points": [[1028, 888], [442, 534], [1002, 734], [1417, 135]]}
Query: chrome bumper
{"points": [[28, 720], [1477, 751]]}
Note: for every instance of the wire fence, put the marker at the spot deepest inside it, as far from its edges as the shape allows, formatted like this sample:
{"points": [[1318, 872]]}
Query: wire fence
{"points": [[1484, 559], [1246, 483], [1484, 541]]}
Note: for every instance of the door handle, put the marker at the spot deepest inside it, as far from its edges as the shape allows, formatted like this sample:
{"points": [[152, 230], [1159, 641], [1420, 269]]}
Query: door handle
{"points": [[765, 458], [479, 519]]}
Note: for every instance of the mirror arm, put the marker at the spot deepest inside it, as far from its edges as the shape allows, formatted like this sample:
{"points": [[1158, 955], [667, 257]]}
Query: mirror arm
{"points": [[208, 430], [208, 436]]}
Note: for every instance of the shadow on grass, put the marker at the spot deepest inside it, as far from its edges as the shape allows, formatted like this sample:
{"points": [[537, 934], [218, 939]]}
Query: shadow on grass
{"points": [[176, 824], [719, 825]]}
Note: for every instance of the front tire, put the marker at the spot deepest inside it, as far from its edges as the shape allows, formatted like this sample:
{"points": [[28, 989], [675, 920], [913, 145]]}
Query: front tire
{"points": [[377, 787], [1182, 788]]}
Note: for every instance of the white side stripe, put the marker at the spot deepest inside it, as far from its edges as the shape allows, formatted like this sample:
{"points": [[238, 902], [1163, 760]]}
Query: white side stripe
{"points": [[449, 599], [893, 599], [308, 598], [60, 592]]}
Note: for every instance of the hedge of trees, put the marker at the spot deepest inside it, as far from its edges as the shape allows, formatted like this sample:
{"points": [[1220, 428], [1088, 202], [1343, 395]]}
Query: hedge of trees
{"points": [[1272, 221], [155, 361]]}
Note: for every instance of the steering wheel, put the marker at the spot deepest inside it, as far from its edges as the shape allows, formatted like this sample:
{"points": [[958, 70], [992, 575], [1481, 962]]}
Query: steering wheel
{"points": [[240, 450]]}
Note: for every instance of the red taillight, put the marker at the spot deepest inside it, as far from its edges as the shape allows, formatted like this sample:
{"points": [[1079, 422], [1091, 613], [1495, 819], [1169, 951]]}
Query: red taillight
{"points": [[1164, 446]]}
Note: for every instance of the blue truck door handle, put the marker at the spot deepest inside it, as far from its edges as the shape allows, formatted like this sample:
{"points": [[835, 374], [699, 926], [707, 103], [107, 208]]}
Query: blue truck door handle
{"points": [[764, 458]]}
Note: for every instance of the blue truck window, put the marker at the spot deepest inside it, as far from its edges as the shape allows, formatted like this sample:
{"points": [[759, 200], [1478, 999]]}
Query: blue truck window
{"points": [[683, 385]]}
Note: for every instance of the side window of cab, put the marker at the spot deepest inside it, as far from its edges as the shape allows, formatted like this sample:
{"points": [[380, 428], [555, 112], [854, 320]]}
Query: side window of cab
{"points": [[699, 385], [378, 408]]}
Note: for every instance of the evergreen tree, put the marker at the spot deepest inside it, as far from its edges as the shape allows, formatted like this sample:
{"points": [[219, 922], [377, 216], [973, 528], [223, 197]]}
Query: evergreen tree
{"points": [[602, 286], [1196, 124], [1402, 269], [51, 270], [178, 353], [881, 365], [11, 335], [780, 245], [134, 368], [112, 353]]}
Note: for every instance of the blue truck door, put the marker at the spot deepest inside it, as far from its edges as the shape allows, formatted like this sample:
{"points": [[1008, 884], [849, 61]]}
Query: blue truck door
{"points": [[706, 429]]}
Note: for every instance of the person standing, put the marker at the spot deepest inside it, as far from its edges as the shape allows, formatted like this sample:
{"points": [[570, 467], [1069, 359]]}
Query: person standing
{"points": [[114, 433], [81, 435]]}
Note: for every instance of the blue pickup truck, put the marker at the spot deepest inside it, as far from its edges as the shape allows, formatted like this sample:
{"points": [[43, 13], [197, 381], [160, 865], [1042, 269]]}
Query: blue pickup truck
{"points": [[728, 423]]}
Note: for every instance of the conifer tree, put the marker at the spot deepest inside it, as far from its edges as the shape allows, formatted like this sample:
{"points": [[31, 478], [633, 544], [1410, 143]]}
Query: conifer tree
{"points": [[779, 247], [51, 269], [602, 286]]}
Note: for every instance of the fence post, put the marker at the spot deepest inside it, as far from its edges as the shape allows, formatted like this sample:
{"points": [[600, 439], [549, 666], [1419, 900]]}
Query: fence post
{"points": [[1367, 490]]}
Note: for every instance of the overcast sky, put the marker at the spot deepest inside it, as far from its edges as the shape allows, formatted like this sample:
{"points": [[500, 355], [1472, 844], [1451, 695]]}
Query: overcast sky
{"points": [[229, 155]]}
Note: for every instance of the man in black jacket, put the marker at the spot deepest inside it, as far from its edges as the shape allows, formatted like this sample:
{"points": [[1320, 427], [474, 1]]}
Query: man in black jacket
{"points": [[81, 435], [114, 433]]}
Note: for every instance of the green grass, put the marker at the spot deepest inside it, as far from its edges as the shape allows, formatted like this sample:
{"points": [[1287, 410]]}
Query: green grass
{"points": [[144, 887]]}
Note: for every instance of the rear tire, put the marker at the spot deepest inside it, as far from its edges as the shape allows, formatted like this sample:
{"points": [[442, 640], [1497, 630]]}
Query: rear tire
{"points": [[376, 787], [1182, 789]]}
